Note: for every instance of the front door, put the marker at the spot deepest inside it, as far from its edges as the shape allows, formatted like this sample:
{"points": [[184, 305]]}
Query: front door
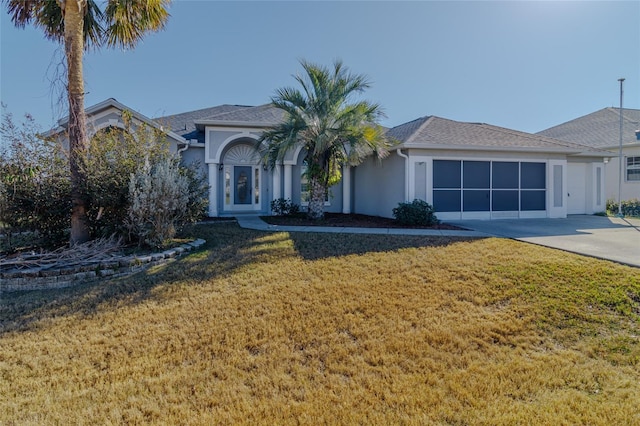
{"points": [[242, 184], [576, 188], [241, 188]]}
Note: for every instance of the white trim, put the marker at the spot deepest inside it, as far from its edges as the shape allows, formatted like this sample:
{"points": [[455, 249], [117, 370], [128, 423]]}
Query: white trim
{"points": [[93, 130], [234, 138], [501, 149], [288, 184], [253, 206], [234, 123], [296, 154], [277, 181], [560, 211], [490, 214], [213, 189], [411, 192], [598, 185], [625, 167], [346, 189]]}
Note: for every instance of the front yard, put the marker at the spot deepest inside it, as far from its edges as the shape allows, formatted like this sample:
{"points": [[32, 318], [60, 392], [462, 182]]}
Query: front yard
{"points": [[278, 328]]}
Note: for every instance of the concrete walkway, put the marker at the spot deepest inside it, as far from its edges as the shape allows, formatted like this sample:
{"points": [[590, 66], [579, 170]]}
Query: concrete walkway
{"points": [[254, 222], [601, 237]]}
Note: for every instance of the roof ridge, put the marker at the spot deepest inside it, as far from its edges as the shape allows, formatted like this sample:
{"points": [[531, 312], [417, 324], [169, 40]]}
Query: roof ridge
{"points": [[199, 110], [547, 138], [426, 120]]}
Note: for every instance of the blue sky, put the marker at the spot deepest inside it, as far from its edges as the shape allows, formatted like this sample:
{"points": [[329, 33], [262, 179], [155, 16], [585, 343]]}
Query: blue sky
{"points": [[522, 65]]}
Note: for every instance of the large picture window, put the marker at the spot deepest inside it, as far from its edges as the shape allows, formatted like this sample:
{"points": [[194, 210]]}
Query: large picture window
{"points": [[633, 169]]}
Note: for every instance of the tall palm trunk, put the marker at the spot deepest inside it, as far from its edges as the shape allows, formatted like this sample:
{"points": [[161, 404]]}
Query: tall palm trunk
{"points": [[317, 192], [74, 46]]}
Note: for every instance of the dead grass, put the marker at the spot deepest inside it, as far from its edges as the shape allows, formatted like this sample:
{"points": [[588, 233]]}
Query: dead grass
{"points": [[299, 328]]}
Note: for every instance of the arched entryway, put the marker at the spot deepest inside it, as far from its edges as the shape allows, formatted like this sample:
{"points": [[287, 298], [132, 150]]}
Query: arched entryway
{"points": [[241, 179]]}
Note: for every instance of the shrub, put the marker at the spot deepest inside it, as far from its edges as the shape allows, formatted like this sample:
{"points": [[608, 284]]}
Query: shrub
{"points": [[159, 197], [284, 207], [197, 194], [629, 207], [35, 183], [418, 212], [113, 155]]}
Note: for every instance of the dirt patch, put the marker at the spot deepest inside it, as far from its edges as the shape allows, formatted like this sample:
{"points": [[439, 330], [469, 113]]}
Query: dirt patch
{"points": [[349, 220]]}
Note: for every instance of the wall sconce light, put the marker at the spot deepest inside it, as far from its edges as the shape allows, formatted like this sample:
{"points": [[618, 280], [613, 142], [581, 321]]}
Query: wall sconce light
{"points": [[264, 167], [221, 166], [606, 160]]}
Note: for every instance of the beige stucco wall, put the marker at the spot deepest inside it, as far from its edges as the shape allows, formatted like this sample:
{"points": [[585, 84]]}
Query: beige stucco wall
{"points": [[629, 189], [378, 187]]}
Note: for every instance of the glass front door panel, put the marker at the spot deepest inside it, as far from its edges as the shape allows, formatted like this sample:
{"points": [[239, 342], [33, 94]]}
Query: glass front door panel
{"points": [[242, 186]]}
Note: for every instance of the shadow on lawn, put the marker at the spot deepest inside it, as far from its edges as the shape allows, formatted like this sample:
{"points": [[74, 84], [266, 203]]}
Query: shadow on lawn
{"points": [[228, 249]]}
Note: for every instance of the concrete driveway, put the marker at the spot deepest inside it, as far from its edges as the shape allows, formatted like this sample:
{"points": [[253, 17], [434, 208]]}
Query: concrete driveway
{"points": [[602, 237]]}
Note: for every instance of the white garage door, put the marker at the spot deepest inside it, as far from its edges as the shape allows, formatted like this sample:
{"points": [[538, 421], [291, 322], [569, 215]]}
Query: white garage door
{"points": [[576, 188]]}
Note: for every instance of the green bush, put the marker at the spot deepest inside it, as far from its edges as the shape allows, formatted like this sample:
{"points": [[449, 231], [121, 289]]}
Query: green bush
{"points": [[629, 207], [35, 195], [284, 207], [35, 185], [418, 212]]}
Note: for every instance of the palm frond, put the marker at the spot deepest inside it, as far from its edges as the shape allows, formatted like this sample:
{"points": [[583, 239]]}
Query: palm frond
{"points": [[127, 21], [322, 118]]}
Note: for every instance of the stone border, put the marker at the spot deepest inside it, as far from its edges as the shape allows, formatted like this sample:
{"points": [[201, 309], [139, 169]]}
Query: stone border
{"points": [[46, 279]]}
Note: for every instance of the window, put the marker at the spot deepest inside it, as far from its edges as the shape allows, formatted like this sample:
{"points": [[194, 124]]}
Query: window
{"points": [[304, 189], [633, 169]]}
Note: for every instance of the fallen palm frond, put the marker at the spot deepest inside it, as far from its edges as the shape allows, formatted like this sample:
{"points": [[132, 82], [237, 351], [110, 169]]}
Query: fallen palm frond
{"points": [[95, 251]]}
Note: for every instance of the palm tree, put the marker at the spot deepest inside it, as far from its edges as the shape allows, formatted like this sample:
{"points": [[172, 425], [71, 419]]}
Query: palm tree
{"points": [[79, 24], [333, 129]]}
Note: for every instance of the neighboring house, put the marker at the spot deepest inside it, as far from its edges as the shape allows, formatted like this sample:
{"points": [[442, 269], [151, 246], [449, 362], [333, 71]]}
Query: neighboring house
{"points": [[601, 129], [466, 170]]}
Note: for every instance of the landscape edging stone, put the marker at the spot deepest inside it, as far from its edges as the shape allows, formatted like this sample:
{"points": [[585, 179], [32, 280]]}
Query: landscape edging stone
{"points": [[46, 279]]}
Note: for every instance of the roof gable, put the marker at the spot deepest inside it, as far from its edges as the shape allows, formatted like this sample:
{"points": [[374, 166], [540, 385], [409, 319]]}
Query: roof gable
{"points": [[112, 104], [600, 129]]}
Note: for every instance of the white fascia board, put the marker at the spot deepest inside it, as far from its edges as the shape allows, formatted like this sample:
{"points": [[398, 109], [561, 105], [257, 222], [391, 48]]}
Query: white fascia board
{"points": [[624, 145], [599, 154], [201, 124], [490, 148]]}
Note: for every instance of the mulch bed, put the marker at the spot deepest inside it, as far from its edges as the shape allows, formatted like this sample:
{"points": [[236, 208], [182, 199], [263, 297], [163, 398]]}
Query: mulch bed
{"points": [[349, 220]]}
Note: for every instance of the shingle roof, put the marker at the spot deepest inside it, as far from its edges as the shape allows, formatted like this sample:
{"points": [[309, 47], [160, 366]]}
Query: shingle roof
{"points": [[432, 131], [184, 123], [600, 129], [267, 114]]}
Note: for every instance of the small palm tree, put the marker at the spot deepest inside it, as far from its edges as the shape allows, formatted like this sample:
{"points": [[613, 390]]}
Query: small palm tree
{"points": [[79, 24], [333, 129]]}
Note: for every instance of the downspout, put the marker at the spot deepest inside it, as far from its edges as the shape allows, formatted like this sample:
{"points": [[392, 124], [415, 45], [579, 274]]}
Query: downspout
{"points": [[406, 173], [184, 148]]}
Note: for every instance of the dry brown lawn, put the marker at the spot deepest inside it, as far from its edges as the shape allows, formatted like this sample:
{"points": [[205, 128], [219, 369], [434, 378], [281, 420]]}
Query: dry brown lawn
{"points": [[280, 328]]}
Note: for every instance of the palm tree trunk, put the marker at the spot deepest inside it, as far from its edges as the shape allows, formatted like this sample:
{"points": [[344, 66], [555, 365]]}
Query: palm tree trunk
{"points": [[317, 193], [74, 47]]}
